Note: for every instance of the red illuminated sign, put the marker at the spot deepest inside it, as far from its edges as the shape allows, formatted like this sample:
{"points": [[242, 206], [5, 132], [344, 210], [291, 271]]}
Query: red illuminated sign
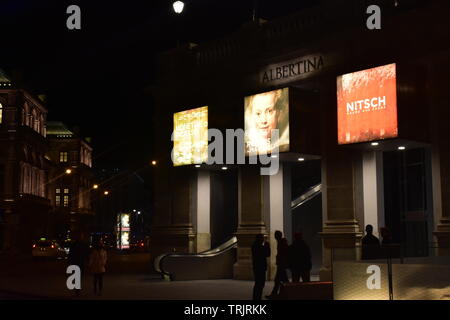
{"points": [[367, 105]]}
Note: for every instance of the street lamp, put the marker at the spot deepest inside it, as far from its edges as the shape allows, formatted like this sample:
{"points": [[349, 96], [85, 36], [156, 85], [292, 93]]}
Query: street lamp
{"points": [[178, 6]]}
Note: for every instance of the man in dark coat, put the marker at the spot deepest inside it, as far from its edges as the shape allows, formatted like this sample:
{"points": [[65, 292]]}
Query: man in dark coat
{"points": [[370, 245], [260, 253], [282, 263], [300, 259]]}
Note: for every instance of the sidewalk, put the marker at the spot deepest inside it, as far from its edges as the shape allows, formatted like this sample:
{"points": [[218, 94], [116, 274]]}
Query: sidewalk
{"points": [[132, 287]]}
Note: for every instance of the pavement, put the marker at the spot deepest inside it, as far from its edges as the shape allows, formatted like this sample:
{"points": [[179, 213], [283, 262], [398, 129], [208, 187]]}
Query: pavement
{"points": [[127, 278]]}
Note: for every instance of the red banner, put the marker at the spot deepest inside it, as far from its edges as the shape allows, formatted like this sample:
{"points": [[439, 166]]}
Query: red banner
{"points": [[367, 105]]}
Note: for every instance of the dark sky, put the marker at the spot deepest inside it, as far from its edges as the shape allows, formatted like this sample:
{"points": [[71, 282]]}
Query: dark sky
{"points": [[94, 77]]}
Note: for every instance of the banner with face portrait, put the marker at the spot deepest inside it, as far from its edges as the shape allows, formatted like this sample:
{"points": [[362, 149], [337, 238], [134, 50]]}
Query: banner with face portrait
{"points": [[264, 113]]}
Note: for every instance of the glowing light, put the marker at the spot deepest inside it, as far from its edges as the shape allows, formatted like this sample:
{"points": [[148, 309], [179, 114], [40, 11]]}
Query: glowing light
{"points": [[374, 143], [178, 6], [224, 168], [106, 193], [401, 148], [68, 171], [153, 163], [301, 159], [95, 186]]}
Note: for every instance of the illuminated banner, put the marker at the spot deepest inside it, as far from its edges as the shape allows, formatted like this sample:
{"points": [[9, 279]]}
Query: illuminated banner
{"points": [[367, 105], [263, 113], [123, 231], [190, 136]]}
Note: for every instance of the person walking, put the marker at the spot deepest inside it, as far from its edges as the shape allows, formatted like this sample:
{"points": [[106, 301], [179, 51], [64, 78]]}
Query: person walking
{"points": [[281, 262], [97, 265], [260, 253], [300, 259]]}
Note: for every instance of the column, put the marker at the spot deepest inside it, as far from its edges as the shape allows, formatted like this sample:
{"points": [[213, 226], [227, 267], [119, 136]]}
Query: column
{"points": [[202, 211], [340, 233], [251, 218], [372, 171], [280, 215]]}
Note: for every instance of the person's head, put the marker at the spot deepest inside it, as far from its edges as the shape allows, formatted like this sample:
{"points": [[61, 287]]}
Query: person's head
{"points": [[259, 238], [98, 244], [264, 112], [369, 229], [278, 235]]}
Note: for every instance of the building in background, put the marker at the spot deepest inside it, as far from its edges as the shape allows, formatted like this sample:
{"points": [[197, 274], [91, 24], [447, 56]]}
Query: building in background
{"points": [[71, 179], [24, 167]]}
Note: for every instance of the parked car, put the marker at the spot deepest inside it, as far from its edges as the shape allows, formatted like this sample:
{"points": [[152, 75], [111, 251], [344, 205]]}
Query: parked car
{"points": [[44, 248]]}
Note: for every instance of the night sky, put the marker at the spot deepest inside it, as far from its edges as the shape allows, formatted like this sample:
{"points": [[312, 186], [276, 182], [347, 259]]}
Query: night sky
{"points": [[95, 77]]}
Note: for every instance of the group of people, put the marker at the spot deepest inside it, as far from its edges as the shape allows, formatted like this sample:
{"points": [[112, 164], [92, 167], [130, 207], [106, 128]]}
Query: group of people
{"points": [[81, 254], [295, 257]]}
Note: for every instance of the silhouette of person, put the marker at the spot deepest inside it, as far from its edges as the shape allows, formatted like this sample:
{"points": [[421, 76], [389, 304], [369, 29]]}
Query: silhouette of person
{"points": [[300, 259], [387, 237], [370, 245], [78, 255], [260, 252], [97, 264], [282, 263]]}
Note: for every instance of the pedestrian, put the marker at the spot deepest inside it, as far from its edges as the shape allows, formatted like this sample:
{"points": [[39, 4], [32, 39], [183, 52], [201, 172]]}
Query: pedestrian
{"points": [[370, 245], [97, 265], [300, 259], [281, 262], [260, 253], [78, 255]]}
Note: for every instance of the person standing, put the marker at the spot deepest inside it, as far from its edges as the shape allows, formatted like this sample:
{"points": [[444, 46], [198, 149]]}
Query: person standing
{"points": [[97, 265], [300, 259], [260, 253], [282, 263], [370, 245], [78, 255]]}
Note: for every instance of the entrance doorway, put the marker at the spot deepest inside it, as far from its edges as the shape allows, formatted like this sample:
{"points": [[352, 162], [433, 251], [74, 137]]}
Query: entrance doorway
{"points": [[408, 199]]}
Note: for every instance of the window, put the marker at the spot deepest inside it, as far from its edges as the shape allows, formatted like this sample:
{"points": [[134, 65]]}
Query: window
{"points": [[58, 197], [66, 197], [66, 201], [63, 156]]}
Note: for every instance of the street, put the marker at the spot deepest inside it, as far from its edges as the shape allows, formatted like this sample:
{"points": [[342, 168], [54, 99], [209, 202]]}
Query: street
{"points": [[128, 277]]}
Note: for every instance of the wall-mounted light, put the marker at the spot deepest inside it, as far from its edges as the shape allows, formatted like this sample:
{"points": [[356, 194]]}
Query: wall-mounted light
{"points": [[178, 6], [106, 192], [224, 168], [68, 171], [95, 186], [374, 143], [301, 159], [197, 166], [401, 148]]}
